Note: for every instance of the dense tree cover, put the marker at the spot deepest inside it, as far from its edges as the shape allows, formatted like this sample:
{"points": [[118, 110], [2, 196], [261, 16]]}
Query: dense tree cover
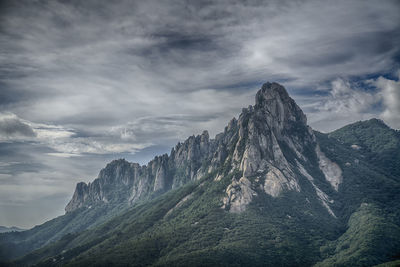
{"points": [[371, 238], [379, 144]]}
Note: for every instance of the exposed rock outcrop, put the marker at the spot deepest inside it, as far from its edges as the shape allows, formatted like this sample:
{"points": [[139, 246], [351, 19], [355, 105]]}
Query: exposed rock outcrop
{"points": [[331, 170], [238, 195]]}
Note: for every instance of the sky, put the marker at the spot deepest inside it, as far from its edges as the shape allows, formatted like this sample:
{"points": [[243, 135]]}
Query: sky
{"points": [[86, 82]]}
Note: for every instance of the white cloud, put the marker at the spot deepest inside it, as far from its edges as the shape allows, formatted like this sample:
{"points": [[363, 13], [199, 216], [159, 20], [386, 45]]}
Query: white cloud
{"points": [[348, 102], [77, 146], [347, 99], [49, 132], [390, 92]]}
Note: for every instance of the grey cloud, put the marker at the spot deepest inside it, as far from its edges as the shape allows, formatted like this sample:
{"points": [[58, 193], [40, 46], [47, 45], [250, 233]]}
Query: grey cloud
{"points": [[349, 48], [15, 168], [162, 128], [12, 127]]}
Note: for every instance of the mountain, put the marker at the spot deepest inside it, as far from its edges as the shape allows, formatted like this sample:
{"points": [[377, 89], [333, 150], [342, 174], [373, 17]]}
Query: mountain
{"points": [[252, 145], [4, 229], [267, 191]]}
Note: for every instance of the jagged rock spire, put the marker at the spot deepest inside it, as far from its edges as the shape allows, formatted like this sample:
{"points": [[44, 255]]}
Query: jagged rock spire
{"points": [[280, 111]]}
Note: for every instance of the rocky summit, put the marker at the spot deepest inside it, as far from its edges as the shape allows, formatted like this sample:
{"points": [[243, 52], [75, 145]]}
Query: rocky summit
{"points": [[267, 191]]}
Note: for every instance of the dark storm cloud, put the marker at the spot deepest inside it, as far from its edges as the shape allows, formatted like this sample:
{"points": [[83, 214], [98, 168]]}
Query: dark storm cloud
{"points": [[347, 49], [88, 81]]}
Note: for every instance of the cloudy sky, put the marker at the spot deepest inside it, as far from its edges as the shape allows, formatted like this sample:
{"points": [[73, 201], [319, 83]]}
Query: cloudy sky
{"points": [[85, 82]]}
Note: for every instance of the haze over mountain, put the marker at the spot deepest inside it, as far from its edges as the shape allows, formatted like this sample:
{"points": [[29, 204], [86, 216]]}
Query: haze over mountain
{"points": [[268, 190], [4, 229]]}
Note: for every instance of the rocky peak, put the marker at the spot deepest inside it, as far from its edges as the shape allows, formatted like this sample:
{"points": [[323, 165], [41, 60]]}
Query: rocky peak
{"points": [[271, 91], [272, 140], [79, 197], [117, 171], [279, 110], [263, 128], [111, 185]]}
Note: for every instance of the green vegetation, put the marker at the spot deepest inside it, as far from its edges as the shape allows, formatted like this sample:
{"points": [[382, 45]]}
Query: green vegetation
{"points": [[373, 134], [371, 238], [379, 144], [365, 180]]}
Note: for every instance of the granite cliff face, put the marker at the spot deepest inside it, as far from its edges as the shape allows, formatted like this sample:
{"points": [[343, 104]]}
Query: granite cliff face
{"points": [[124, 182], [269, 148], [274, 149]]}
